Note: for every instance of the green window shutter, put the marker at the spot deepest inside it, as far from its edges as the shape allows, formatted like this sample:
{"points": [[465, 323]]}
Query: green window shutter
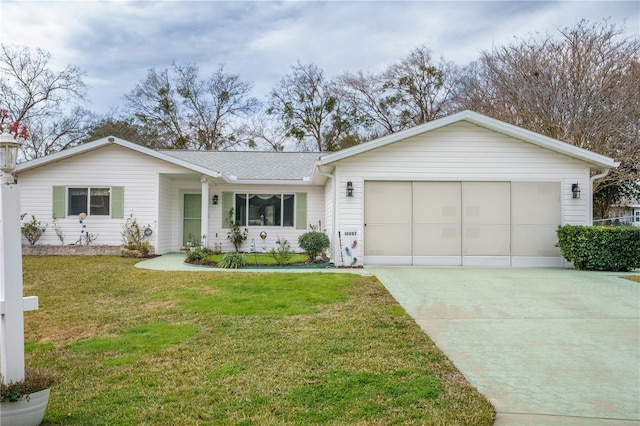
{"points": [[227, 204], [301, 210], [117, 202], [59, 209]]}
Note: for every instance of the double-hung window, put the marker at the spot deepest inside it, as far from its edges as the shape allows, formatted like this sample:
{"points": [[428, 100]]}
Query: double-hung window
{"points": [[265, 209], [92, 201]]}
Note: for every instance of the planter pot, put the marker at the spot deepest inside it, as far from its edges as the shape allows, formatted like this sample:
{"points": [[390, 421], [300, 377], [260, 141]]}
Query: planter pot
{"points": [[26, 412]]}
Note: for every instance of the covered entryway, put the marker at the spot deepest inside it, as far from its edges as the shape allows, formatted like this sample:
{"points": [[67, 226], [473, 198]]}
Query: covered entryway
{"points": [[461, 223]]}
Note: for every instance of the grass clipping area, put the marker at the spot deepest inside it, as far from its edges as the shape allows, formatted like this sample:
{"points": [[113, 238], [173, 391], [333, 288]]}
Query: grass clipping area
{"points": [[183, 348]]}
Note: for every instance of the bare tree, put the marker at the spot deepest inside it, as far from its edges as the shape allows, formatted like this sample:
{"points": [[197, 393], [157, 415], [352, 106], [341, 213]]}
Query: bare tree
{"points": [[265, 134], [186, 111], [155, 105], [411, 92], [369, 96], [581, 87], [43, 100], [423, 90], [308, 107], [214, 106]]}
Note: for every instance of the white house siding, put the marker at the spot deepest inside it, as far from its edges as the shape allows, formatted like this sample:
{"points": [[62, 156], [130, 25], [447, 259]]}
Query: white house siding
{"points": [[218, 235], [328, 227], [459, 152], [165, 213], [104, 167]]}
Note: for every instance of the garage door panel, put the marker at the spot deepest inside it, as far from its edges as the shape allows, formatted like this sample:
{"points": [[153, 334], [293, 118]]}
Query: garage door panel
{"points": [[436, 240], [387, 240], [536, 203], [436, 202], [489, 240], [387, 202], [535, 241], [486, 203]]}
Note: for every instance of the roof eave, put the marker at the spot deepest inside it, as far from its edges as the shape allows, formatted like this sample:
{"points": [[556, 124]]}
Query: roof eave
{"points": [[264, 182]]}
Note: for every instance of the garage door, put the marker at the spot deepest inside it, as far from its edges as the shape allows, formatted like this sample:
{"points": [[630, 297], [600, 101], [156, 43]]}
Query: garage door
{"points": [[461, 223]]}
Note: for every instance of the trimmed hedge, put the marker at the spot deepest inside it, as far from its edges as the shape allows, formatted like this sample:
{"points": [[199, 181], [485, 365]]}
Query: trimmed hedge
{"points": [[600, 248]]}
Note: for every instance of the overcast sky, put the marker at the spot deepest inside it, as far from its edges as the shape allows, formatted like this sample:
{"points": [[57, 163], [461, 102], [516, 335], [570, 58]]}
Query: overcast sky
{"points": [[115, 43]]}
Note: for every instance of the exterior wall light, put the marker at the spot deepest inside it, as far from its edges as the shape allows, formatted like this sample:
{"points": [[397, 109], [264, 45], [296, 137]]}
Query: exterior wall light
{"points": [[8, 155], [215, 199], [349, 189], [576, 190]]}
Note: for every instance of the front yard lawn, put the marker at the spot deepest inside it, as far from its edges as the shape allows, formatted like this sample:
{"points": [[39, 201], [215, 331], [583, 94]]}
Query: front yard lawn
{"points": [[183, 348]]}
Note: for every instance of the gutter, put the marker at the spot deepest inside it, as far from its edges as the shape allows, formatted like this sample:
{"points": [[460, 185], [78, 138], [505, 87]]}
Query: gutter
{"points": [[591, 182]]}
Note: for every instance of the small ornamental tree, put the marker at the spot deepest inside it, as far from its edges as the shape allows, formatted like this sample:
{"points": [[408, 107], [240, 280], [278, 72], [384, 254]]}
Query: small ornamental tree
{"points": [[133, 237], [314, 243], [237, 235]]}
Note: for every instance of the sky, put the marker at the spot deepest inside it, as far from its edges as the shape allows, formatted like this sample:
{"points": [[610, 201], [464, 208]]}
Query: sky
{"points": [[115, 43]]}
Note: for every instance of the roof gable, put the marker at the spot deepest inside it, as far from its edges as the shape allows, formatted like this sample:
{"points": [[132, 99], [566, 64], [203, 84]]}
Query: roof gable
{"points": [[596, 161]]}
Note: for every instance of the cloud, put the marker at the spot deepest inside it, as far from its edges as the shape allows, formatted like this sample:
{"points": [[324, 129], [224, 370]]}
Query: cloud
{"points": [[116, 42]]}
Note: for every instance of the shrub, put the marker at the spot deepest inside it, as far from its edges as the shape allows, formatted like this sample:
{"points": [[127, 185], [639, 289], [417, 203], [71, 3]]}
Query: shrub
{"points": [[283, 253], [133, 237], [33, 230], [232, 261], [236, 234], [314, 243], [600, 248], [199, 254]]}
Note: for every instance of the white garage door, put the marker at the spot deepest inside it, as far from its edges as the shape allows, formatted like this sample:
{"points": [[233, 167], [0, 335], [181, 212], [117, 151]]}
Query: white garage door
{"points": [[461, 223]]}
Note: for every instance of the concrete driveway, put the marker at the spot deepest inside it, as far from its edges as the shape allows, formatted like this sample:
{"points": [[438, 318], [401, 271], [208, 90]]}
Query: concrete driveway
{"points": [[546, 346]]}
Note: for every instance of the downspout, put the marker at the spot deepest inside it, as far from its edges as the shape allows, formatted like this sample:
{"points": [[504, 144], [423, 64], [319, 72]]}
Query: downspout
{"points": [[333, 212], [592, 181]]}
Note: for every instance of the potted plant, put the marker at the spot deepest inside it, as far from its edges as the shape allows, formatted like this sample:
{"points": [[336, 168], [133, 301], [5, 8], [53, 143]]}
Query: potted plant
{"points": [[23, 403]]}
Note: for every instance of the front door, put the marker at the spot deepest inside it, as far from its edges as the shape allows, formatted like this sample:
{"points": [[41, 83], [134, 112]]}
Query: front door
{"points": [[192, 215]]}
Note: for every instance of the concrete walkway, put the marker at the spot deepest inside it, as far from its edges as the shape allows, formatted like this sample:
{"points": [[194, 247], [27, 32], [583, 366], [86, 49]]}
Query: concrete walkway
{"points": [[546, 346]]}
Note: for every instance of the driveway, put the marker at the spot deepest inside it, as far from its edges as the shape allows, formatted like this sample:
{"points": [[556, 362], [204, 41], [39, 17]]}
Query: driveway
{"points": [[545, 346]]}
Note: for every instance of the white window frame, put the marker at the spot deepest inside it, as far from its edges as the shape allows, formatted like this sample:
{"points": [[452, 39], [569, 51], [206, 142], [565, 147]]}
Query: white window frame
{"points": [[246, 220], [88, 189]]}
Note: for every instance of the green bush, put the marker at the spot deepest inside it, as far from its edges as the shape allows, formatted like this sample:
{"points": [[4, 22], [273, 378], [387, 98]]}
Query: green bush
{"points": [[283, 253], [201, 253], [600, 248], [232, 260], [236, 234], [314, 243]]}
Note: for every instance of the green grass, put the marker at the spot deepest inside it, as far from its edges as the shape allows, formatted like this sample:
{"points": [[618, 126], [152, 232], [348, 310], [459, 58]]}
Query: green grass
{"points": [[146, 347], [267, 294]]}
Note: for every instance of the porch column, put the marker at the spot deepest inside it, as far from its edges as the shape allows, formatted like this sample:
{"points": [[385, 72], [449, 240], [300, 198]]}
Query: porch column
{"points": [[204, 212]]}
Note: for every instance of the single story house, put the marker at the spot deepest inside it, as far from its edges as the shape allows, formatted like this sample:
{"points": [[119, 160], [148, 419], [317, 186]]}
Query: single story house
{"points": [[461, 190]]}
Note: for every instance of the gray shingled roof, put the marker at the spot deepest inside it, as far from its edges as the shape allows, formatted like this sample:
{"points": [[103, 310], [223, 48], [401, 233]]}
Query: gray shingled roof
{"points": [[252, 165]]}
